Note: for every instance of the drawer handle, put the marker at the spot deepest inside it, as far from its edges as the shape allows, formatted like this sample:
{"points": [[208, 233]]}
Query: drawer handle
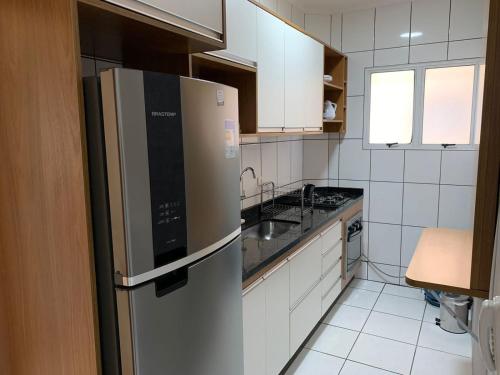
{"points": [[330, 228], [304, 296], [303, 248], [253, 285], [331, 288], [275, 268], [331, 248], [330, 269]]}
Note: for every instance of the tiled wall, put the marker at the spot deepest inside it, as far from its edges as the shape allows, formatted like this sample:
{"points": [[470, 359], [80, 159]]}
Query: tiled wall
{"points": [[405, 190]]}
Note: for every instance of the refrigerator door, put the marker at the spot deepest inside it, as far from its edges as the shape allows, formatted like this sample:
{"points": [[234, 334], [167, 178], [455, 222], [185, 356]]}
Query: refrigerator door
{"points": [[192, 330]]}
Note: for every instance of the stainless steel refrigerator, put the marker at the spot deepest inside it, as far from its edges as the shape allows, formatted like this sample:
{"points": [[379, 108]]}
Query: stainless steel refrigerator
{"points": [[164, 176]]}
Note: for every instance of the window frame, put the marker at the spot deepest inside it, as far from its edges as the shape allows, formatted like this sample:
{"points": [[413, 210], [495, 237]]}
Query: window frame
{"points": [[418, 105]]}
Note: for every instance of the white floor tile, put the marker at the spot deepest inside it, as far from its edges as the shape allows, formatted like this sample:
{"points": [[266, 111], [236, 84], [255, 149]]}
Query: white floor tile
{"points": [[374, 286], [332, 340], [309, 362], [431, 313], [403, 291], [353, 368], [433, 337], [346, 316], [383, 353], [393, 327], [359, 298], [401, 306], [430, 362]]}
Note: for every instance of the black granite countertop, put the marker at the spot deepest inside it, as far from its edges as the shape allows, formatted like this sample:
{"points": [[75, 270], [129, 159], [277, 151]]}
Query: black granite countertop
{"points": [[257, 254]]}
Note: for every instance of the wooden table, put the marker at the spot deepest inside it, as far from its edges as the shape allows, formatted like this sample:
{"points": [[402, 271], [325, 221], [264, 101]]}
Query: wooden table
{"points": [[442, 261]]}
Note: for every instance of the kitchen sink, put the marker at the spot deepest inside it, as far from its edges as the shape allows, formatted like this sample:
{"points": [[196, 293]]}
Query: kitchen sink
{"points": [[267, 230]]}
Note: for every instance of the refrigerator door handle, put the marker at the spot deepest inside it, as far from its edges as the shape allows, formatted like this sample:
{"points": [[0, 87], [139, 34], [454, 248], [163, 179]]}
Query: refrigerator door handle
{"points": [[131, 281], [486, 325]]}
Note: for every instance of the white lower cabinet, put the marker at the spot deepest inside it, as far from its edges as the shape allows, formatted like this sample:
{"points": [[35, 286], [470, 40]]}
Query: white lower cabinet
{"points": [[254, 329], [304, 317], [277, 287]]}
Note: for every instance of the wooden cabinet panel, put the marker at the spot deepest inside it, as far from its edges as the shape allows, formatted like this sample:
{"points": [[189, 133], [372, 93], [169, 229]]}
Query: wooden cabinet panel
{"points": [[305, 270], [254, 330], [304, 317], [277, 319], [271, 70]]}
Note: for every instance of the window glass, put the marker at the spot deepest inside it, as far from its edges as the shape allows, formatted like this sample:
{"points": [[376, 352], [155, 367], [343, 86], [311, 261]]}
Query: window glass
{"points": [[479, 104], [391, 107], [448, 105]]}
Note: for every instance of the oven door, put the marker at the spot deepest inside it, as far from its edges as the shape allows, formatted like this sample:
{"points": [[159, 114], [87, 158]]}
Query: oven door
{"points": [[354, 243]]}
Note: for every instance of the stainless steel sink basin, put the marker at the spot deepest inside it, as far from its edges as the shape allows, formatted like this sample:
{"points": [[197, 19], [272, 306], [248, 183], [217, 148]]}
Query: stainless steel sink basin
{"points": [[266, 230]]}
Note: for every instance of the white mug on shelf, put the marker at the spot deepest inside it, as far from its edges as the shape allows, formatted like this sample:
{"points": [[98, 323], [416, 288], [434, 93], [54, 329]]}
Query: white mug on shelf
{"points": [[329, 110]]}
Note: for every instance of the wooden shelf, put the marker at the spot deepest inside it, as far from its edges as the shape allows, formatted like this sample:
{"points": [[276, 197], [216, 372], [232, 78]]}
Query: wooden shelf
{"points": [[278, 134], [443, 261], [331, 86], [333, 121]]}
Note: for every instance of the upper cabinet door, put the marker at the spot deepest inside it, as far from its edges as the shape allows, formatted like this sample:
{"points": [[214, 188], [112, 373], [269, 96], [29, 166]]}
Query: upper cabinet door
{"points": [[270, 70], [201, 16], [295, 82], [313, 73], [241, 35]]}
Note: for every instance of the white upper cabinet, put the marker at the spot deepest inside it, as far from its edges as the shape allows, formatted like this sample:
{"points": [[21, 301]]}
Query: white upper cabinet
{"points": [[270, 70], [201, 16], [304, 59], [392, 26], [468, 19], [241, 22]]}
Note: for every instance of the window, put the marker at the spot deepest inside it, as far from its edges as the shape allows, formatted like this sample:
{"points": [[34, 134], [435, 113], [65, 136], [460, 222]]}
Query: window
{"points": [[424, 106], [391, 108]]}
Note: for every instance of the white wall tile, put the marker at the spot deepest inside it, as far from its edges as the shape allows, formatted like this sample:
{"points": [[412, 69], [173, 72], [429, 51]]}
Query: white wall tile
{"points": [[333, 155], [354, 161], [271, 4], [390, 22], [402, 274], [431, 18], [420, 205], [354, 117], [336, 37], [250, 157], [389, 274], [315, 159], [409, 240], [387, 165], [386, 202], [428, 52], [269, 152], [384, 243], [298, 16], [467, 49], [284, 163], [422, 166], [357, 63], [365, 185], [456, 206], [296, 160], [459, 167], [392, 56], [468, 19], [358, 30], [285, 9], [319, 25]]}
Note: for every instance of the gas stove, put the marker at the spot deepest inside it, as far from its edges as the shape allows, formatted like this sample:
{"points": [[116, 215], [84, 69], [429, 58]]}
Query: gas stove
{"points": [[323, 197]]}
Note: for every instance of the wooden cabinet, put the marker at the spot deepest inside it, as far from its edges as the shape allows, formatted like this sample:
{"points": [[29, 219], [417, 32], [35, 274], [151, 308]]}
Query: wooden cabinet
{"points": [[241, 31], [205, 17], [277, 318], [254, 329], [270, 71]]}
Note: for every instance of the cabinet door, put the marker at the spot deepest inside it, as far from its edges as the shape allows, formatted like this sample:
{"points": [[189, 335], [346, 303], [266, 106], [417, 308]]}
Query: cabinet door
{"points": [[305, 270], [313, 74], [254, 330], [270, 70], [295, 86], [241, 22], [277, 319]]}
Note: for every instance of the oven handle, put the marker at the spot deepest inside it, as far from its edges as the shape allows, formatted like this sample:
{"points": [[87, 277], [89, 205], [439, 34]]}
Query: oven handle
{"points": [[354, 234]]}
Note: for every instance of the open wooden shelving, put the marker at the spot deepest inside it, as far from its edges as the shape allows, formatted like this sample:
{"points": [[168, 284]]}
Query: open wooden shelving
{"points": [[336, 90]]}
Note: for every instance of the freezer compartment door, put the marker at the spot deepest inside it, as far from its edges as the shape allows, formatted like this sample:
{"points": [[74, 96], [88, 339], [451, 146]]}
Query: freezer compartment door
{"points": [[192, 328]]}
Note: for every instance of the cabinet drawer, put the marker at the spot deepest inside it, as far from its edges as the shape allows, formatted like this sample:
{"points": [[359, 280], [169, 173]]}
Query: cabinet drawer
{"points": [[331, 236], [330, 279], [304, 317], [330, 296], [331, 257], [305, 270]]}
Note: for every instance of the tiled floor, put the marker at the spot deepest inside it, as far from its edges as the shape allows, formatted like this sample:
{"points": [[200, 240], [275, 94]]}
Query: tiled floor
{"points": [[377, 329]]}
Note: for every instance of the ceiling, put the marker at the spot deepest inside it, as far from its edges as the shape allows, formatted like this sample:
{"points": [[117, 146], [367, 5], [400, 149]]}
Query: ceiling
{"points": [[311, 6]]}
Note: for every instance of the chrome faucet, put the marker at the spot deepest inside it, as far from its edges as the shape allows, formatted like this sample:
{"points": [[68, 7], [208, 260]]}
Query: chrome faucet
{"points": [[243, 196], [262, 193]]}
